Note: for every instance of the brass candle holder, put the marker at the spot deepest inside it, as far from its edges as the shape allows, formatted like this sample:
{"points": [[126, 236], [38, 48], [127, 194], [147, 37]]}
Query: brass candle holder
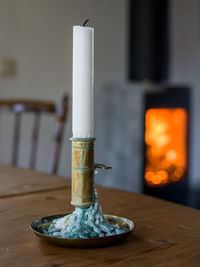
{"points": [[83, 194], [82, 172], [83, 168]]}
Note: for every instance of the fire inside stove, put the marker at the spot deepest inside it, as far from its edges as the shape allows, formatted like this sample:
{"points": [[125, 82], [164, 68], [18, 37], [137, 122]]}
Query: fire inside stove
{"points": [[166, 145]]}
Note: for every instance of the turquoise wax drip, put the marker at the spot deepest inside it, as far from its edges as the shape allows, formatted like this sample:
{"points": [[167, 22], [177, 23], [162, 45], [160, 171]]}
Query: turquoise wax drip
{"points": [[84, 223]]}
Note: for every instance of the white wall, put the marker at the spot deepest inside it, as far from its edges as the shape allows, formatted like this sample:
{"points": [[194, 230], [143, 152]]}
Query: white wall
{"points": [[185, 63], [38, 35]]}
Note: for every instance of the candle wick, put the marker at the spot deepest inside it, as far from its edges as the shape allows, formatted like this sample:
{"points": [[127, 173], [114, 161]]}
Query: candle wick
{"points": [[86, 21]]}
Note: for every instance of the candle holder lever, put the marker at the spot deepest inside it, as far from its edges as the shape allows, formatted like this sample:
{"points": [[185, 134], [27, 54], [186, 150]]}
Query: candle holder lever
{"points": [[101, 166]]}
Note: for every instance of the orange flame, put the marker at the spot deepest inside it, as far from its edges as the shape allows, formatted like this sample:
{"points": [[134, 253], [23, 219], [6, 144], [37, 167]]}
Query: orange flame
{"points": [[165, 138]]}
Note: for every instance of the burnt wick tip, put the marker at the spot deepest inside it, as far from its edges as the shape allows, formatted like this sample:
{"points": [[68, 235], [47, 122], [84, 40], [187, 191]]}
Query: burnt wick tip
{"points": [[85, 22]]}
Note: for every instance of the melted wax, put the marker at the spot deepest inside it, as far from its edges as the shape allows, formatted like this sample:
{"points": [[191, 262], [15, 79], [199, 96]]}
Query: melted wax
{"points": [[84, 223]]}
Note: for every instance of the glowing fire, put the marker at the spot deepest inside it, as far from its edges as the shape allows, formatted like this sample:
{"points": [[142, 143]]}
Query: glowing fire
{"points": [[165, 138]]}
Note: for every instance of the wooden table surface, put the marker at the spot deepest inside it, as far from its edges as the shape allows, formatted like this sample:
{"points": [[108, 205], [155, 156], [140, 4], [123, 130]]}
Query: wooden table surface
{"points": [[17, 181], [166, 234]]}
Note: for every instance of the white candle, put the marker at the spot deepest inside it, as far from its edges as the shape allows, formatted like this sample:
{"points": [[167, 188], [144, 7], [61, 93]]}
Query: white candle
{"points": [[83, 82]]}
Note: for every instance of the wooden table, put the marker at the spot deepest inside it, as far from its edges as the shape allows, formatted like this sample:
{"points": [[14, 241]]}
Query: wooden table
{"points": [[166, 234], [18, 181]]}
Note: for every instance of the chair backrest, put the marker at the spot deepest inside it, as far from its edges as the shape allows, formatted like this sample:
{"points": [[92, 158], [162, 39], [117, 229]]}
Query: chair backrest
{"points": [[18, 107]]}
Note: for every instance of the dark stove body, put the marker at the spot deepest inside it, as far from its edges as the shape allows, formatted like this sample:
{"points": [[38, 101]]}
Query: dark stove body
{"points": [[170, 97]]}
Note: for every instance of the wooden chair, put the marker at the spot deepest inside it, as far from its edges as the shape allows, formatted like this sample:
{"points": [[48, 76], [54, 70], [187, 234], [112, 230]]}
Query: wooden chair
{"points": [[18, 107]]}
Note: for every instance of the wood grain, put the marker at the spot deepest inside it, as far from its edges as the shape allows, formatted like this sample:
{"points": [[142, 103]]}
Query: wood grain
{"points": [[166, 234], [18, 181]]}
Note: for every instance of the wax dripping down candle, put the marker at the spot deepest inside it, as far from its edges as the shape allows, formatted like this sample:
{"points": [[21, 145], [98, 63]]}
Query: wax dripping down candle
{"points": [[83, 82], [84, 223]]}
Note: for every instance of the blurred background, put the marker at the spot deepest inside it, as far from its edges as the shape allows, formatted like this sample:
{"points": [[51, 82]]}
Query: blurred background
{"points": [[147, 61]]}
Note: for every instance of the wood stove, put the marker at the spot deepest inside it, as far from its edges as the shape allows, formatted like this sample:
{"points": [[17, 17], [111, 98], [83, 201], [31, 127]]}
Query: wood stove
{"points": [[166, 144]]}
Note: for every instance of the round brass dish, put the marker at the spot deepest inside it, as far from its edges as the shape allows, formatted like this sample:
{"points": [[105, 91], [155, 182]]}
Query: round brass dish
{"points": [[39, 224]]}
